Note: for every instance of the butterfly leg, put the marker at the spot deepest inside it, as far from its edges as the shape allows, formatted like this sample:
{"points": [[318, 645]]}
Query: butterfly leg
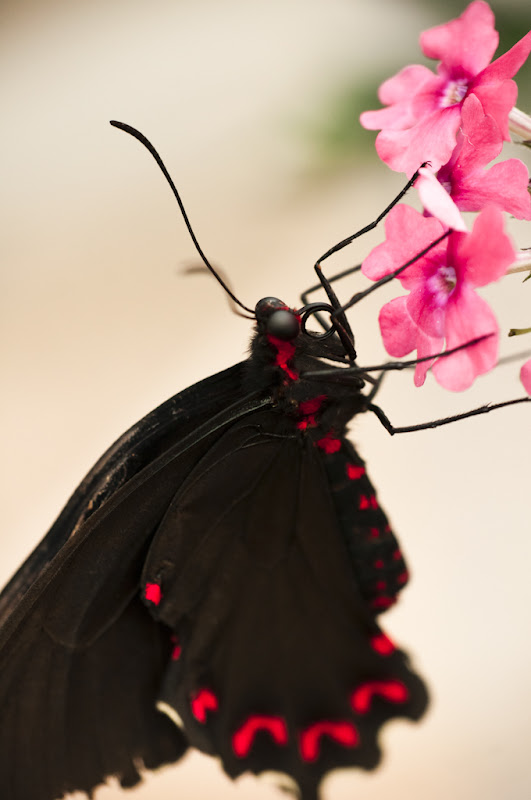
{"points": [[437, 423]]}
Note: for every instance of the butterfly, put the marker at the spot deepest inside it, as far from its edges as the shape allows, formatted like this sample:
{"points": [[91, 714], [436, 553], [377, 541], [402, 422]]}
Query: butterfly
{"points": [[215, 582]]}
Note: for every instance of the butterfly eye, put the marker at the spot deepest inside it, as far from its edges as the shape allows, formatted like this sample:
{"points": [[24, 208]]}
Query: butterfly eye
{"points": [[283, 324]]}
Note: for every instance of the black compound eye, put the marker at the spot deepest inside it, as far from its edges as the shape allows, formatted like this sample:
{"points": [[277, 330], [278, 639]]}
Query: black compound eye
{"points": [[265, 307], [283, 324]]}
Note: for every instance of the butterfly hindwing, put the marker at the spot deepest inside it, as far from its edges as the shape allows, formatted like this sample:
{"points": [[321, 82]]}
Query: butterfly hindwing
{"points": [[277, 661]]}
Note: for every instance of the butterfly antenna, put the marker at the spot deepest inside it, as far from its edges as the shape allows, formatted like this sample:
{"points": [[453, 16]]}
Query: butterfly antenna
{"points": [[147, 144]]}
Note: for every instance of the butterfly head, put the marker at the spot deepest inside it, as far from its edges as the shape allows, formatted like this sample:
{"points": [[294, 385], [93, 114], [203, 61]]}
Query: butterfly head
{"points": [[276, 319]]}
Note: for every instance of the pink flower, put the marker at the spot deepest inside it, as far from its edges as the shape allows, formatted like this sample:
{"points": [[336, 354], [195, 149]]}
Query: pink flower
{"points": [[525, 376], [442, 305], [424, 109], [464, 177]]}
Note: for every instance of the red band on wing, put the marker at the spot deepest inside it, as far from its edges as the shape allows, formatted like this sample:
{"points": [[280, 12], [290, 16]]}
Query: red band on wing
{"points": [[344, 733], [392, 690], [243, 739], [202, 701], [369, 501]]}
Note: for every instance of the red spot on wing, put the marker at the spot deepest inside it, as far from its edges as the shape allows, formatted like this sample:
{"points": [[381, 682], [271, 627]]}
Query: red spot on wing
{"points": [[311, 406], [381, 586], [344, 733], [379, 563], [202, 701], [367, 501], [329, 443], [382, 644], [403, 577], [374, 533], [397, 555], [392, 690], [153, 593], [355, 471], [382, 602], [177, 649], [243, 739]]}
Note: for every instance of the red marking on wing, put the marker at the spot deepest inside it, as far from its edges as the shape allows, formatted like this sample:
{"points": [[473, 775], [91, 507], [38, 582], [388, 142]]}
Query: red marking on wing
{"points": [[329, 444], [355, 471], [243, 739], [392, 690], [397, 555], [202, 701], [381, 586], [379, 563], [177, 649], [383, 602], [382, 644], [311, 406], [344, 733], [374, 533], [285, 352], [153, 593], [402, 578], [367, 502]]}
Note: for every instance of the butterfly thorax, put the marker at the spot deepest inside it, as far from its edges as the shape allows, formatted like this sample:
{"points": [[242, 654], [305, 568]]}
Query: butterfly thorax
{"points": [[286, 361]]}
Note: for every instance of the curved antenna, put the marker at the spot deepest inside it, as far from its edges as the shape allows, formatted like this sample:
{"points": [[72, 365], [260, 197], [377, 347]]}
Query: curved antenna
{"points": [[147, 144]]}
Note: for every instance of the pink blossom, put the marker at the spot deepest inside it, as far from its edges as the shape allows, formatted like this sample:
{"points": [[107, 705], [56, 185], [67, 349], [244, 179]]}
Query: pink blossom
{"points": [[468, 183], [525, 376], [423, 111], [442, 304]]}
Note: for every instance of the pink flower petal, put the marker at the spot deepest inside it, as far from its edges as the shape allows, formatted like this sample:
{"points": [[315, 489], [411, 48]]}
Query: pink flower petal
{"points": [[466, 44], [485, 254], [507, 65], [497, 100], [438, 202], [525, 376], [400, 336], [466, 320], [399, 332], [407, 233], [432, 139], [406, 83], [504, 184]]}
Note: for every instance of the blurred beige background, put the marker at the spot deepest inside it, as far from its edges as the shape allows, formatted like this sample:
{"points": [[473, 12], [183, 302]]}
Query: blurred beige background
{"points": [[99, 325]]}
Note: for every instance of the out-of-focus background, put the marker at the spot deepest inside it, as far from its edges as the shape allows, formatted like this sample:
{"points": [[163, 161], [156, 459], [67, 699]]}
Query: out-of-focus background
{"points": [[253, 106]]}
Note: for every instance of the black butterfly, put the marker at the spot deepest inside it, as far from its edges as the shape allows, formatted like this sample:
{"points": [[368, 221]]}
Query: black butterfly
{"points": [[224, 563]]}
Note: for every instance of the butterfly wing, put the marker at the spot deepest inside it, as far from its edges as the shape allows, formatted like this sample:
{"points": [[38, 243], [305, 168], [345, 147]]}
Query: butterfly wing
{"points": [[277, 661], [80, 658]]}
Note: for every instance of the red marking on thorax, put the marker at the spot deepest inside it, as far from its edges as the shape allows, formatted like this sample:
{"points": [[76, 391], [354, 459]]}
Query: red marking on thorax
{"points": [[153, 593], [382, 644], [202, 701], [243, 739], [392, 690], [285, 352], [344, 733], [329, 443], [355, 471]]}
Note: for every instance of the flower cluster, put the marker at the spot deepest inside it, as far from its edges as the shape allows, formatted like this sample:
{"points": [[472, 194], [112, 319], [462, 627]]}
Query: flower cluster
{"points": [[457, 120]]}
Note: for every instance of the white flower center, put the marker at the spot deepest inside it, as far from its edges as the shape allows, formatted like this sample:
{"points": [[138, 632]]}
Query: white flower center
{"points": [[454, 92], [442, 284]]}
